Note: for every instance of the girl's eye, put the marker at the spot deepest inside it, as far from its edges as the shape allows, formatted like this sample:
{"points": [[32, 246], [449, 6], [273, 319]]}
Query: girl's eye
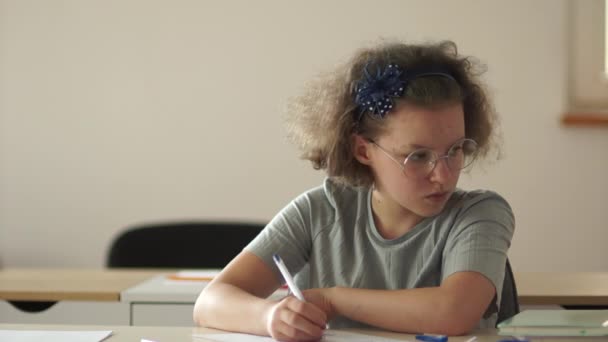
{"points": [[420, 156], [455, 150]]}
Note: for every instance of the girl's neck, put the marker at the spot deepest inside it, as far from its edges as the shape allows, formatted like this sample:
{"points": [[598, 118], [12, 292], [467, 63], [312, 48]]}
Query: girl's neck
{"points": [[391, 219]]}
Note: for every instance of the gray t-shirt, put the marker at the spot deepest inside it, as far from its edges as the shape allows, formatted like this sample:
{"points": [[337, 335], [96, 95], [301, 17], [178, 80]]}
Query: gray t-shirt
{"points": [[327, 237]]}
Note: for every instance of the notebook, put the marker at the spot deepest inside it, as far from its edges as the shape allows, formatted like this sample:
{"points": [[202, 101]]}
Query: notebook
{"points": [[556, 323]]}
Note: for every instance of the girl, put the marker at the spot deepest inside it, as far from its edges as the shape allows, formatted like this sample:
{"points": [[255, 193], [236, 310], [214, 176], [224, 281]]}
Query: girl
{"points": [[388, 240]]}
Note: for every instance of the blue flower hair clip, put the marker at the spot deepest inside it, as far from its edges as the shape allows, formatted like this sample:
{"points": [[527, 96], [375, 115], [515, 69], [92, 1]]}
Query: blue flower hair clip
{"points": [[375, 93]]}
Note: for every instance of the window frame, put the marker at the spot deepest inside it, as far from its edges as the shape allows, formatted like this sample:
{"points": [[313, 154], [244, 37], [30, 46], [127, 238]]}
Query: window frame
{"points": [[587, 74]]}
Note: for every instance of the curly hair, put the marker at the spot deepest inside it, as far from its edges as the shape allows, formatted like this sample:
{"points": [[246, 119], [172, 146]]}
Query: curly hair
{"points": [[322, 121]]}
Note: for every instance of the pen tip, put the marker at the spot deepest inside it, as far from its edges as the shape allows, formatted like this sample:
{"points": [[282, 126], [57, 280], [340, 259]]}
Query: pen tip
{"points": [[276, 257]]}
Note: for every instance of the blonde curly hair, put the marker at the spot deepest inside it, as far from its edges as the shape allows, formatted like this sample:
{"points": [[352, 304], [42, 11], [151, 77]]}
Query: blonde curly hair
{"points": [[322, 121]]}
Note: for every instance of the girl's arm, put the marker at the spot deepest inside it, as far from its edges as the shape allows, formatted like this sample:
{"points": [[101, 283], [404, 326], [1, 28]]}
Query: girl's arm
{"points": [[453, 308], [235, 301]]}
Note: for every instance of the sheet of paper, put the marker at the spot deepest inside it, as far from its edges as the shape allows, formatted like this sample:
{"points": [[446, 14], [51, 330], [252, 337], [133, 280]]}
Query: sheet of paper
{"points": [[53, 335], [193, 275], [330, 336]]}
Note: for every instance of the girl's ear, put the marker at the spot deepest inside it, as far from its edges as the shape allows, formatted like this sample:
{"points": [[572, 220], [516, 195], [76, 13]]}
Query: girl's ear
{"points": [[361, 149]]}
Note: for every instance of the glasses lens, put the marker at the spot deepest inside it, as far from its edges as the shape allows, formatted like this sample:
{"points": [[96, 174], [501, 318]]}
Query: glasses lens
{"points": [[462, 154], [419, 163]]}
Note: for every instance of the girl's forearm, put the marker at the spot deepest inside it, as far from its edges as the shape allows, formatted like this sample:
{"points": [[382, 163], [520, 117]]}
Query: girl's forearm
{"points": [[227, 307], [421, 310]]}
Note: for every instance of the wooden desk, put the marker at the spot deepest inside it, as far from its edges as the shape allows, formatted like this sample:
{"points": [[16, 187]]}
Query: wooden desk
{"points": [[184, 334], [572, 288], [144, 297], [72, 296], [68, 284], [534, 288], [151, 299]]}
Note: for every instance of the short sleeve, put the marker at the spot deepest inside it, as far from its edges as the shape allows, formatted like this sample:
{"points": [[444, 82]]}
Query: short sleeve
{"points": [[480, 238], [288, 234]]}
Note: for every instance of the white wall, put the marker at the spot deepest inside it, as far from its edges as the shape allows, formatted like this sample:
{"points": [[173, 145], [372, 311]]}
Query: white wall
{"points": [[115, 112]]}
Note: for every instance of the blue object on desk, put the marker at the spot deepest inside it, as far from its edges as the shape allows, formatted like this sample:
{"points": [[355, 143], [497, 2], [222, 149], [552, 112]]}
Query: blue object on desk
{"points": [[432, 338]]}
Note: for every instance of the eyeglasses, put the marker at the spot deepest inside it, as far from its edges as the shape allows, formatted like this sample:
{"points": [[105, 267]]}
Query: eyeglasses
{"points": [[421, 162]]}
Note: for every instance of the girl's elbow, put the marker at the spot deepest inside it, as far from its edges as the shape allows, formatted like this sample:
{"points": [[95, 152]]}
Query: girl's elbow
{"points": [[198, 314], [457, 323], [457, 329], [453, 327]]}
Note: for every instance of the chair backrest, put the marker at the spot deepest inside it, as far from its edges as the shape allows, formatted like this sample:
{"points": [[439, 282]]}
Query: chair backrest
{"points": [[509, 303], [181, 244]]}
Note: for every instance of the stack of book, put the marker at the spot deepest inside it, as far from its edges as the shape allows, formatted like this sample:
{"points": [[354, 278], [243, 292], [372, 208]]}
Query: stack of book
{"points": [[556, 323]]}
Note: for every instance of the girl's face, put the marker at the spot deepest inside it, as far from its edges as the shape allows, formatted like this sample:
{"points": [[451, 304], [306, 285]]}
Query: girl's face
{"points": [[412, 187]]}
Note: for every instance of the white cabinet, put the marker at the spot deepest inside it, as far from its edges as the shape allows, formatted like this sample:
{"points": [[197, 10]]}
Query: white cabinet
{"points": [[172, 315], [161, 301], [69, 312]]}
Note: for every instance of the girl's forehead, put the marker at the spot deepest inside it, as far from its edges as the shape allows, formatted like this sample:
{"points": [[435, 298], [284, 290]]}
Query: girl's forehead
{"points": [[412, 126]]}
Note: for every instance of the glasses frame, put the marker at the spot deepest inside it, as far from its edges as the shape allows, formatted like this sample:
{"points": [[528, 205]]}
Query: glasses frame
{"points": [[434, 161]]}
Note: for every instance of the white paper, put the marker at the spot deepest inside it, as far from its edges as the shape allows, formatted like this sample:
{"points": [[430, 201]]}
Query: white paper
{"points": [[329, 336], [209, 273], [53, 335]]}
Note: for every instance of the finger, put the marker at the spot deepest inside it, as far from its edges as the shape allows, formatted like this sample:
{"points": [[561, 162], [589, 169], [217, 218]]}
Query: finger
{"points": [[302, 327], [310, 311], [292, 333], [292, 325], [315, 314], [281, 332]]}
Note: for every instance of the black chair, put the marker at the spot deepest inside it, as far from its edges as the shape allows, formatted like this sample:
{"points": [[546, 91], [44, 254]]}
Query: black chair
{"points": [[181, 244], [509, 302]]}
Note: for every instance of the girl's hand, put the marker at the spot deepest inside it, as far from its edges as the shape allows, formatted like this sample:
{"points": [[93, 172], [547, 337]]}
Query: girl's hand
{"points": [[293, 320], [321, 298]]}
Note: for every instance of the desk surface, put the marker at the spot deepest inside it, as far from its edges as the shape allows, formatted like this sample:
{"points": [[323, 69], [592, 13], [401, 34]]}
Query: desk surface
{"points": [[183, 334], [68, 284], [534, 288], [562, 288]]}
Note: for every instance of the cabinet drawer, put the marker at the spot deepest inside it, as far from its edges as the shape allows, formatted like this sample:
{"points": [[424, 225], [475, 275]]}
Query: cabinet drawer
{"points": [[69, 312]]}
